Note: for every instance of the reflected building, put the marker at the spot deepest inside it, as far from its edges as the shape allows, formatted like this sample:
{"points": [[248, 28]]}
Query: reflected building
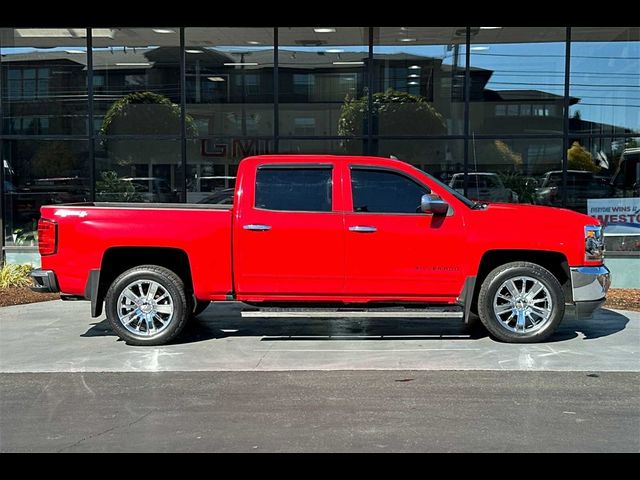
{"points": [[141, 117]]}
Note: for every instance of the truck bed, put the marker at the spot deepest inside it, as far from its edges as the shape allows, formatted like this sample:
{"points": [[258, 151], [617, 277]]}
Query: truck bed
{"points": [[87, 231], [143, 206]]}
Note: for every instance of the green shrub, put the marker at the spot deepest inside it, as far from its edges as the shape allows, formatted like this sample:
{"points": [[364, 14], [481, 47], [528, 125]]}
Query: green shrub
{"points": [[15, 276]]}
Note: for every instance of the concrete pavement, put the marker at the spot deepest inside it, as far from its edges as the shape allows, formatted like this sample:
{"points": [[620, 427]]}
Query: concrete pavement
{"points": [[61, 337], [300, 385]]}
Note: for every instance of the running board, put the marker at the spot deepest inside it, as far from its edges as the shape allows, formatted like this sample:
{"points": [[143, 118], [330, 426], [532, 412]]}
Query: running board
{"points": [[266, 313]]}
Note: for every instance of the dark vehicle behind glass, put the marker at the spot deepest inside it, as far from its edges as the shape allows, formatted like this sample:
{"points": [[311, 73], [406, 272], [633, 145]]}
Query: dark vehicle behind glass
{"points": [[580, 187]]}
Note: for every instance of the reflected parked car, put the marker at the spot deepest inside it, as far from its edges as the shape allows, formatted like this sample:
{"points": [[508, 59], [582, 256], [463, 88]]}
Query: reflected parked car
{"points": [[221, 197], [146, 189], [580, 187], [626, 180], [484, 186]]}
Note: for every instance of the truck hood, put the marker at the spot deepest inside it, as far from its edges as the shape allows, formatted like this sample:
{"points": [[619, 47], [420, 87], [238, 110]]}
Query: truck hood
{"points": [[538, 215]]}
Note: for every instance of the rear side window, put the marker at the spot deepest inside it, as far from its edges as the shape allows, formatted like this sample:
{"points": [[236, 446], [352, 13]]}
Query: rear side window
{"points": [[295, 189], [379, 191]]}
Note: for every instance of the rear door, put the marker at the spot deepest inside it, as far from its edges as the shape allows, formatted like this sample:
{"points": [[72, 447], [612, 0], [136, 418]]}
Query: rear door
{"points": [[289, 234]]}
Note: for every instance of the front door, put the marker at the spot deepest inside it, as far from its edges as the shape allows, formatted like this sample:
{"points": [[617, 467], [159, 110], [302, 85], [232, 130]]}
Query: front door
{"points": [[394, 251], [289, 242]]}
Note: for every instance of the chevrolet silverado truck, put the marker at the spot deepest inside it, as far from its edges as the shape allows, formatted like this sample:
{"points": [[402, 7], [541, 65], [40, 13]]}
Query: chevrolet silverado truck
{"points": [[325, 236]]}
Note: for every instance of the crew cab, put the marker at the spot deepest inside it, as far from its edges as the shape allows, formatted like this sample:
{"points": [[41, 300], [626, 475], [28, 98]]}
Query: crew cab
{"points": [[329, 236]]}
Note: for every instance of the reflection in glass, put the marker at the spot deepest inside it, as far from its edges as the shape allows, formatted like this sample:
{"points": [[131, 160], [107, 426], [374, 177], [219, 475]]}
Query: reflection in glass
{"points": [[605, 80], [138, 171], [517, 80], [229, 80], [329, 147], [604, 181], [136, 82], [513, 170], [37, 173], [319, 75], [212, 165], [418, 81], [44, 82], [440, 158]]}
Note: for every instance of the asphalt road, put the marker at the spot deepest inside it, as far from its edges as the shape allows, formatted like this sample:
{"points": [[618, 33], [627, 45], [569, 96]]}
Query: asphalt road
{"points": [[403, 411], [249, 385]]}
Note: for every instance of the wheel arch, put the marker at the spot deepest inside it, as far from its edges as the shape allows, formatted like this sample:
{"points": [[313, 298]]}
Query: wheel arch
{"points": [[555, 262], [117, 260]]}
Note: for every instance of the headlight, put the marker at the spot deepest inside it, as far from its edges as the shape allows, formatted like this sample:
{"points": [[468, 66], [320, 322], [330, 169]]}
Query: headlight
{"points": [[593, 243]]}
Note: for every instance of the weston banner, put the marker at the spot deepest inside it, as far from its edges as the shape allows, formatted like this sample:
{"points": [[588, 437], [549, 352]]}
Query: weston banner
{"points": [[621, 216]]}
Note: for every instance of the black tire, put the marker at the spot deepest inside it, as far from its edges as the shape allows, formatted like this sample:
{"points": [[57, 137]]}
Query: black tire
{"points": [[201, 306], [512, 270], [170, 282]]}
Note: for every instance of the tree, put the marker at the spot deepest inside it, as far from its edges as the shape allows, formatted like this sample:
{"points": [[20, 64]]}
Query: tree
{"points": [[393, 113], [142, 113], [400, 113], [138, 113], [580, 159]]}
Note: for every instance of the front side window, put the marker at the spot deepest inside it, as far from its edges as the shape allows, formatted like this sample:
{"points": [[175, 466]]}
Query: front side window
{"points": [[297, 189], [379, 191]]}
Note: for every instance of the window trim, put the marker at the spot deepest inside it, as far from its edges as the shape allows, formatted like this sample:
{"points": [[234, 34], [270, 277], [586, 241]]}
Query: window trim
{"points": [[360, 166], [289, 166]]}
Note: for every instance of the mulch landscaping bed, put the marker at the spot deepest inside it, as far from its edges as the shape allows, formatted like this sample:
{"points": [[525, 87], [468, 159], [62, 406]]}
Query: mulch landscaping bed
{"points": [[620, 298], [20, 295], [624, 299]]}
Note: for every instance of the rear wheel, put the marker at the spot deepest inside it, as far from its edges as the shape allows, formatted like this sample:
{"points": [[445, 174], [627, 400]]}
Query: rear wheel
{"points": [[521, 302], [146, 305]]}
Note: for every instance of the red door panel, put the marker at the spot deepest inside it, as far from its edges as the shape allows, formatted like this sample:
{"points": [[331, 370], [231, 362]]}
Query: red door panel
{"points": [[393, 250], [282, 252], [406, 255]]}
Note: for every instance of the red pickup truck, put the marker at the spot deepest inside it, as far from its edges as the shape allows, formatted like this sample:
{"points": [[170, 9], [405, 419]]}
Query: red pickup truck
{"points": [[328, 236]]}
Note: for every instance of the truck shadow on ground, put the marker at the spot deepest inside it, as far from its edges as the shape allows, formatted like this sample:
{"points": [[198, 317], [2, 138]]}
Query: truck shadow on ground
{"points": [[217, 323]]}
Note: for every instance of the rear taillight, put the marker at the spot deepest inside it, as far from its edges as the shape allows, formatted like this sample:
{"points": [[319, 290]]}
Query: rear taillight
{"points": [[47, 236]]}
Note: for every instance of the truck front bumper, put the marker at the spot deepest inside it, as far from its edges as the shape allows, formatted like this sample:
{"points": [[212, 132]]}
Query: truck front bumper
{"points": [[590, 286], [44, 281]]}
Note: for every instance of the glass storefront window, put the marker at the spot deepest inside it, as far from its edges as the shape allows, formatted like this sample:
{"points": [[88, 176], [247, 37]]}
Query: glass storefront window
{"points": [[147, 171], [515, 171], [517, 80], [329, 147], [44, 81], [441, 158], [418, 80], [212, 165], [229, 81], [605, 80], [604, 181], [136, 81], [37, 173], [322, 80]]}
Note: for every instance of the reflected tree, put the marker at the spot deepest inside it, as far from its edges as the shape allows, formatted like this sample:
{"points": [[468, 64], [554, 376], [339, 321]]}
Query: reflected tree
{"points": [[580, 159]]}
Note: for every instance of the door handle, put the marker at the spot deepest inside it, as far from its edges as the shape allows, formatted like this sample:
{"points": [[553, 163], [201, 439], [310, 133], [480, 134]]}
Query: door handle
{"points": [[258, 228], [363, 229]]}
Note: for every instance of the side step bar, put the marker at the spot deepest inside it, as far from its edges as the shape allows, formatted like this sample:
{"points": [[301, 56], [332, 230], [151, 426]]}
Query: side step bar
{"points": [[352, 314]]}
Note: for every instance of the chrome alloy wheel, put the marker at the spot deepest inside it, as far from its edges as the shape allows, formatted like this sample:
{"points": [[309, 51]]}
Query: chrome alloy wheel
{"points": [[522, 305], [145, 308]]}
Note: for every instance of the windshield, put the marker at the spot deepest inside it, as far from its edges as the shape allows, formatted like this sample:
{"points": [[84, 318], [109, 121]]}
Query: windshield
{"points": [[459, 196]]}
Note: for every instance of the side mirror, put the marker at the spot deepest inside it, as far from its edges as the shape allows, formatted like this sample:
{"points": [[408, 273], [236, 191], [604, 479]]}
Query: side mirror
{"points": [[434, 204]]}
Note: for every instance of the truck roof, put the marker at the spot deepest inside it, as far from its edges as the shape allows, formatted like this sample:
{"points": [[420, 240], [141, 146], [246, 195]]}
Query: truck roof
{"points": [[323, 158]]}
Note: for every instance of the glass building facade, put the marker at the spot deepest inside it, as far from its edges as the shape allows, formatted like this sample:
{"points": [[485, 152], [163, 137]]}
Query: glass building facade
{"points": [[536, 115]]}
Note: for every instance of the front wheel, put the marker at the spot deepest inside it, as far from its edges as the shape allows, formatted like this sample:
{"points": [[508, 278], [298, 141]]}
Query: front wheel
{"points": [[521, 302], [146, 305]]}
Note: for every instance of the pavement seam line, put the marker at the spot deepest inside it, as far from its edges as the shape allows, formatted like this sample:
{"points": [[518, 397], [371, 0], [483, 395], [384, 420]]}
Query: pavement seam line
{"points": [[95, 435]]}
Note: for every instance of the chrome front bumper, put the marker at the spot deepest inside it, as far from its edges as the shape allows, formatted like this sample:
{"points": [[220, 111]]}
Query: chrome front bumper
{"points": [[589, 286]]}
